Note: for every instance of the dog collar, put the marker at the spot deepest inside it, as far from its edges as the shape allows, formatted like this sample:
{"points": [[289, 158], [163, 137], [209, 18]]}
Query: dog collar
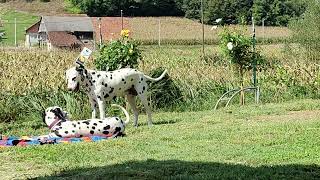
{"points": [[54, 123]]}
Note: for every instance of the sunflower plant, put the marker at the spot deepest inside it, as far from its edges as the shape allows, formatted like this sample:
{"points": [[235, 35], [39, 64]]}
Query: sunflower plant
{"points": [[120, 53]]}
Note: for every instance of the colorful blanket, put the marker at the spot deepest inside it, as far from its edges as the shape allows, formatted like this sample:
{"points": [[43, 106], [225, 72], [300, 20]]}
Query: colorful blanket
{"points": [[26, 140]]}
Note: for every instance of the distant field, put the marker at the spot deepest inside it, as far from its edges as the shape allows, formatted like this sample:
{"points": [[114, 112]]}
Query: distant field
{"points": [[24, 20], [183, 29]]}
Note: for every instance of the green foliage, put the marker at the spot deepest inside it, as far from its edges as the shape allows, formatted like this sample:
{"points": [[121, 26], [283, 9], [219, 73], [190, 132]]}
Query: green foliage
{"points": [[117, 54], [306, 30], [237, 48], [277, 12]]}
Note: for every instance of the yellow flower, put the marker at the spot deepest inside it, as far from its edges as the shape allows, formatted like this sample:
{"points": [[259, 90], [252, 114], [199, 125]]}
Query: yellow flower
{"points": [[130, 51], [125, 33]]}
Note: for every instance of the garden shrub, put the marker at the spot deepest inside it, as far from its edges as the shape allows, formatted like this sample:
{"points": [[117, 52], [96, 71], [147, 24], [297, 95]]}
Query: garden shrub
{"points": [[117, 54]]}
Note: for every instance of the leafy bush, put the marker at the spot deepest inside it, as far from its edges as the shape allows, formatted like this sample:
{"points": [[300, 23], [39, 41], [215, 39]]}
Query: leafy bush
{"points": [[237, 48], [121, 53], [306, 30]]}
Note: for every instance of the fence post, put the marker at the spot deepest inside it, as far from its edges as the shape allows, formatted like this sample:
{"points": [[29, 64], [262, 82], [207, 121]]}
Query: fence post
{"points": [[159, 32], [15, 32]]}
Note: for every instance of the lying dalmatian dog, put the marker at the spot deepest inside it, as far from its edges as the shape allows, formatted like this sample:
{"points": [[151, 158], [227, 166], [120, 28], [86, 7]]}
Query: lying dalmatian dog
{"points": [[103, 86], [58, 122]]}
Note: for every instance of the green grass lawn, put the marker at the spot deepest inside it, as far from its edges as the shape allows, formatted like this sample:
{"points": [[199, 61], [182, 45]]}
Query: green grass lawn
{"points": [[24, 21], [270, 141]]}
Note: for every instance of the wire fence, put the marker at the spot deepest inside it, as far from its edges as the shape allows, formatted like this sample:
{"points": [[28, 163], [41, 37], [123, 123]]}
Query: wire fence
{"points": [[150, 30]]}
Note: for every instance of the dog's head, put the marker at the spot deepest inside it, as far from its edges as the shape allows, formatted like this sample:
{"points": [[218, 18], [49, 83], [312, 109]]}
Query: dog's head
{"points": [[73, 77], [54, 115]]}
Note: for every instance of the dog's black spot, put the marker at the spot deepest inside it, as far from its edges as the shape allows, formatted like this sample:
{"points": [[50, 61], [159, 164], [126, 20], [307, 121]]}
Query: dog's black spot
{"points": [[93, 73], [114, 98], [135, 70], [93, 127], [94, 81], [99, 97], [95, 105], [122, 79], [119, 89], [87, 127], [125, 82], [106, 96], [60, 127], [91, 132], [105, 132], [100, 121], [106, 127], [143, 88], [79, 127], [66, 132], [105, 85], [95, 124], [102, 83], [74, 125], [87, 84], [118, 129], [98, 129], [131, 79], [141, 79], [121, 121], [110, 77], [117, 119], [98, 75], [111, 90], [86, 122]]}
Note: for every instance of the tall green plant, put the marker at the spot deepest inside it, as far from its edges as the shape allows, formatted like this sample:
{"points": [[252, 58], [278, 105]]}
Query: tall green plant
{"points": [[117, 54], [237, 48]]}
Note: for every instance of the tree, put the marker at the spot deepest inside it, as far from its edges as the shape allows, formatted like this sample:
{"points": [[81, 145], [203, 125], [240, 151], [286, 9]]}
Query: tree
{"points": [[306, 30]]}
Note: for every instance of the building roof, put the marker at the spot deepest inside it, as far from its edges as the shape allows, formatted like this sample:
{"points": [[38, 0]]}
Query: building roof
{"points": [[71, 24], [34, 28], [110, 27], [62, 39]]}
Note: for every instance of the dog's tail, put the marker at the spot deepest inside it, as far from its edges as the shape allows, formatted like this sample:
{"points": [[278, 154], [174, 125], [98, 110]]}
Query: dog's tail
{"points": [[124, 111], [158, 78]]}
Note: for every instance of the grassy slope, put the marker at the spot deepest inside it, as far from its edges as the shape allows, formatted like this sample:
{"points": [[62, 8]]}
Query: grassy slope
{"points": [[24, 20], [271, 141]]}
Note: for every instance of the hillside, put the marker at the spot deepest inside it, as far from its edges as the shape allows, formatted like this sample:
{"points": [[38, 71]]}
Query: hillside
{"points": [[36, 7]]}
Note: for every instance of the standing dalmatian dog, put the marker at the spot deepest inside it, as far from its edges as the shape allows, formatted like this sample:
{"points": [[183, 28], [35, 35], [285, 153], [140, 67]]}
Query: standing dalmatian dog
{"points": [[103, 86], [58, 122]]}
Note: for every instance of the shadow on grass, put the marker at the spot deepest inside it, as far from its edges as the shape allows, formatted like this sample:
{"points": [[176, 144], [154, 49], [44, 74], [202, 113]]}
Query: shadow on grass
{"points": [[176, 169]]}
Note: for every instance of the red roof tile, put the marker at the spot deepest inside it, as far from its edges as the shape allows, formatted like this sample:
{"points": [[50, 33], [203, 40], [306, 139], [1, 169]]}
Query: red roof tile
{"points": [[34, 28], [62, 39], [110, 27]]}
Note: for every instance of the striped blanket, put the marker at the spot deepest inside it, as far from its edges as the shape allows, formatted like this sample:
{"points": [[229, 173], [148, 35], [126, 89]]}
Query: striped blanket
{"points": [[26, 140]]}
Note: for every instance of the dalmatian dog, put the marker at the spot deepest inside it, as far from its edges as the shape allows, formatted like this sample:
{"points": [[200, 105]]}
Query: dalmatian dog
{"points": [[58, 122], [103, 86]]}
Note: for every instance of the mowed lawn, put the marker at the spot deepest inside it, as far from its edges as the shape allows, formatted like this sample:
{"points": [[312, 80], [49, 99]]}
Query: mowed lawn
{"points": [[268, 141]]}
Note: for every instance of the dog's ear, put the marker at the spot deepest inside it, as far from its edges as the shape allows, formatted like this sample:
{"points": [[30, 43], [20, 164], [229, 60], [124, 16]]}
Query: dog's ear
{"points": [[58, 112]]}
